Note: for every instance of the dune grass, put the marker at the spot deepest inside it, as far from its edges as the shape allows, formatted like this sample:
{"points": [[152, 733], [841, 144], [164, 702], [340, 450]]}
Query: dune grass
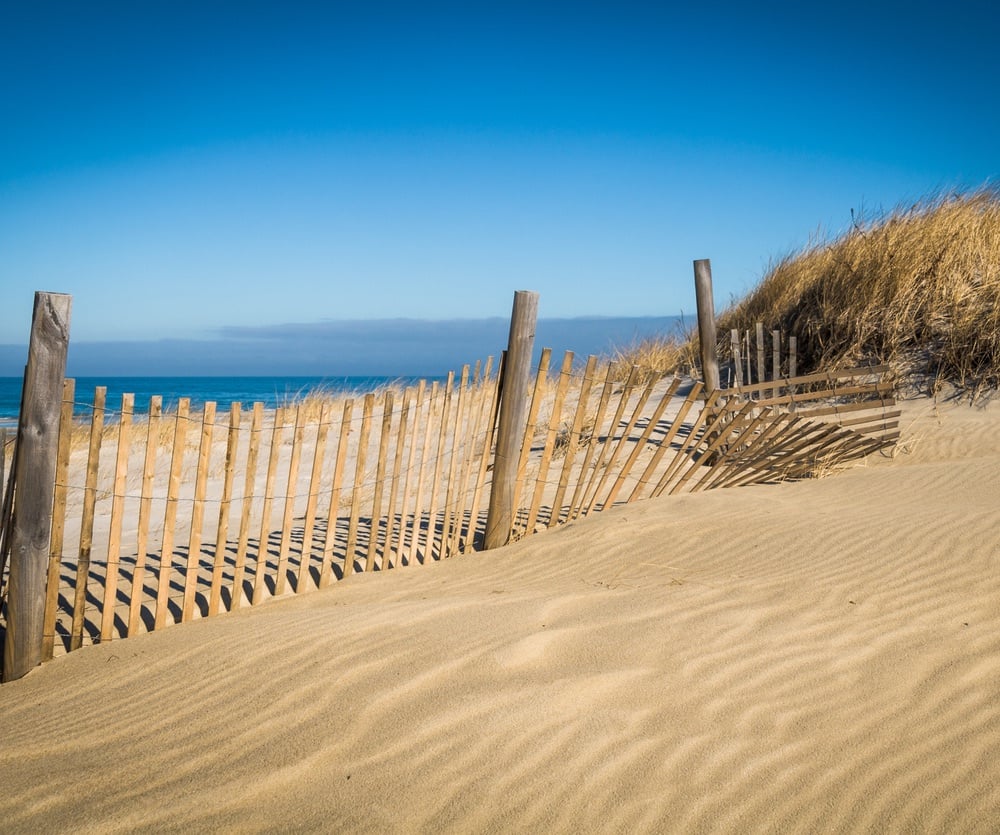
{"points": [[917, 287]]}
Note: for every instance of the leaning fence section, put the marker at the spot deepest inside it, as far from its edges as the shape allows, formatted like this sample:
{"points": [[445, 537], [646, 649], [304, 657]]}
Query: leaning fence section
{"points": [[616, 435], [171, 516]]}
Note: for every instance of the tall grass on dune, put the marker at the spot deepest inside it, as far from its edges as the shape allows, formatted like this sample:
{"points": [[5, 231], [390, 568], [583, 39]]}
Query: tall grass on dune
{"points": [[918, 287]]}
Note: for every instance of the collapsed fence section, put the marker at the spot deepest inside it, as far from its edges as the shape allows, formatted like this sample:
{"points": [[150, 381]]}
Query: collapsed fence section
{"points": [[616, 435]]}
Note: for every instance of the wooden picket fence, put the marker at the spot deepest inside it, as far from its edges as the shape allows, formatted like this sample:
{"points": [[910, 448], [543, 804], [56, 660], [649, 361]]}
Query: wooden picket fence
{"points": [[168, 517], [749, 353]]}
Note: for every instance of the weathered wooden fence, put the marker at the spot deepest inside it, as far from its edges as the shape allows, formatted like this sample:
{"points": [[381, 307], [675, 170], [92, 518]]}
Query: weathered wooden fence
{"points": [[759, 355], [165, 517], [170, 517]]}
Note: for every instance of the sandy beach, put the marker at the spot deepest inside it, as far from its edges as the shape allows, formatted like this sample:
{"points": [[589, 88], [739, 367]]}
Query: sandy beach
{"points": [[811, 656]]}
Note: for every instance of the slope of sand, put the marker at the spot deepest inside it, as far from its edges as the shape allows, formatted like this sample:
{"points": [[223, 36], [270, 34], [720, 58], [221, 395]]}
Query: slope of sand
{"points": [[820, 656]]}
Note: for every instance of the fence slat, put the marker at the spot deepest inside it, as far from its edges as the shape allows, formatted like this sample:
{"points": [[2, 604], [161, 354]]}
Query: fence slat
{"points": [[264, 542], [315, 481], [438, 464], [761, 365], [489, 437], [405, 545], [145, 509], [333, 513], [775, 361], [424, 460], [117, 515], [170, 513], [58, 518], [291, 491], [541, 478], [193, 565], [392, 527], [246, 510], [466, 489], [87, 520], [225, 503], [602, 405], [380, 470], [531, 426], [457, 445], [359, 480], [573, 440]]}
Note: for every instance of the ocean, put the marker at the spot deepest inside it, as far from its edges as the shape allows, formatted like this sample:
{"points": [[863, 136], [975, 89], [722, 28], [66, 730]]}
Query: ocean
{"points": [[271, 391]]}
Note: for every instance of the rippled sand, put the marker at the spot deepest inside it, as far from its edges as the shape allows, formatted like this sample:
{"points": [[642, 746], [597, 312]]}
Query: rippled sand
{"points": [[820, 656]]}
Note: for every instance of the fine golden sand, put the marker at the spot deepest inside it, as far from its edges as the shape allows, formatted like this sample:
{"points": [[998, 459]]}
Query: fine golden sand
{"points": [[819, 656]]}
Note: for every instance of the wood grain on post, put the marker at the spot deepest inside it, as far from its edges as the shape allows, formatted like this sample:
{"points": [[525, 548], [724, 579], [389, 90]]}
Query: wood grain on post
{"points": [[38, 441], [513, 405], [706, 323]]}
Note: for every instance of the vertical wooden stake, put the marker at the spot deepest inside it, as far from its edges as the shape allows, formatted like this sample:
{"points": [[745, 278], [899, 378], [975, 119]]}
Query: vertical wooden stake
{"points": [[513, 406], [734, 341], [761, 370], [38, 440], [706, 323], [775, 361]]}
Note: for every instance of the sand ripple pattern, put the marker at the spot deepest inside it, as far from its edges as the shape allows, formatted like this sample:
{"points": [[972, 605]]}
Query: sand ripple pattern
{"points": [[813, 657]]}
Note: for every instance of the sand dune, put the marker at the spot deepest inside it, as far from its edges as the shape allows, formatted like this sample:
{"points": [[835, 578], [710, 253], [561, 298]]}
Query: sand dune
{"points": [[819, 656]]}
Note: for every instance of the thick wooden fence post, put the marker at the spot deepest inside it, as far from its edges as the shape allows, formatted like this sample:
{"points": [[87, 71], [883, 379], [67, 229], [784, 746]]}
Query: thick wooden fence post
{"points": [[38, 436], [512, 419], [706, 324]]}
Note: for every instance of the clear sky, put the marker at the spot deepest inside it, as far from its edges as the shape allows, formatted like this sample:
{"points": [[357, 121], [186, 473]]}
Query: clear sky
{"points": [[187, 170]]}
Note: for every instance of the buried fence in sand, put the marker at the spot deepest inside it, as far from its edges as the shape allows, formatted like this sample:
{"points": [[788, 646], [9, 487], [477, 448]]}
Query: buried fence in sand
{"points": [[122, 524]]}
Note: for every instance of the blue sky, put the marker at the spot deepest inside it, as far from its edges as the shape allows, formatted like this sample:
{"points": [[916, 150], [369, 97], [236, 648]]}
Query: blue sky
{"points": [[187, 170]]}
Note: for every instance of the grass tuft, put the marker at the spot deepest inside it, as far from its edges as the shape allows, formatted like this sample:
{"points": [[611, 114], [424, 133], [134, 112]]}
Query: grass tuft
{"points": [[918, 287]]}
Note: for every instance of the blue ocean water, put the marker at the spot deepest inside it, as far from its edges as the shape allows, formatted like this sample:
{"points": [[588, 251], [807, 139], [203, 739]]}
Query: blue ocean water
{"points": [[271, 391]]}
